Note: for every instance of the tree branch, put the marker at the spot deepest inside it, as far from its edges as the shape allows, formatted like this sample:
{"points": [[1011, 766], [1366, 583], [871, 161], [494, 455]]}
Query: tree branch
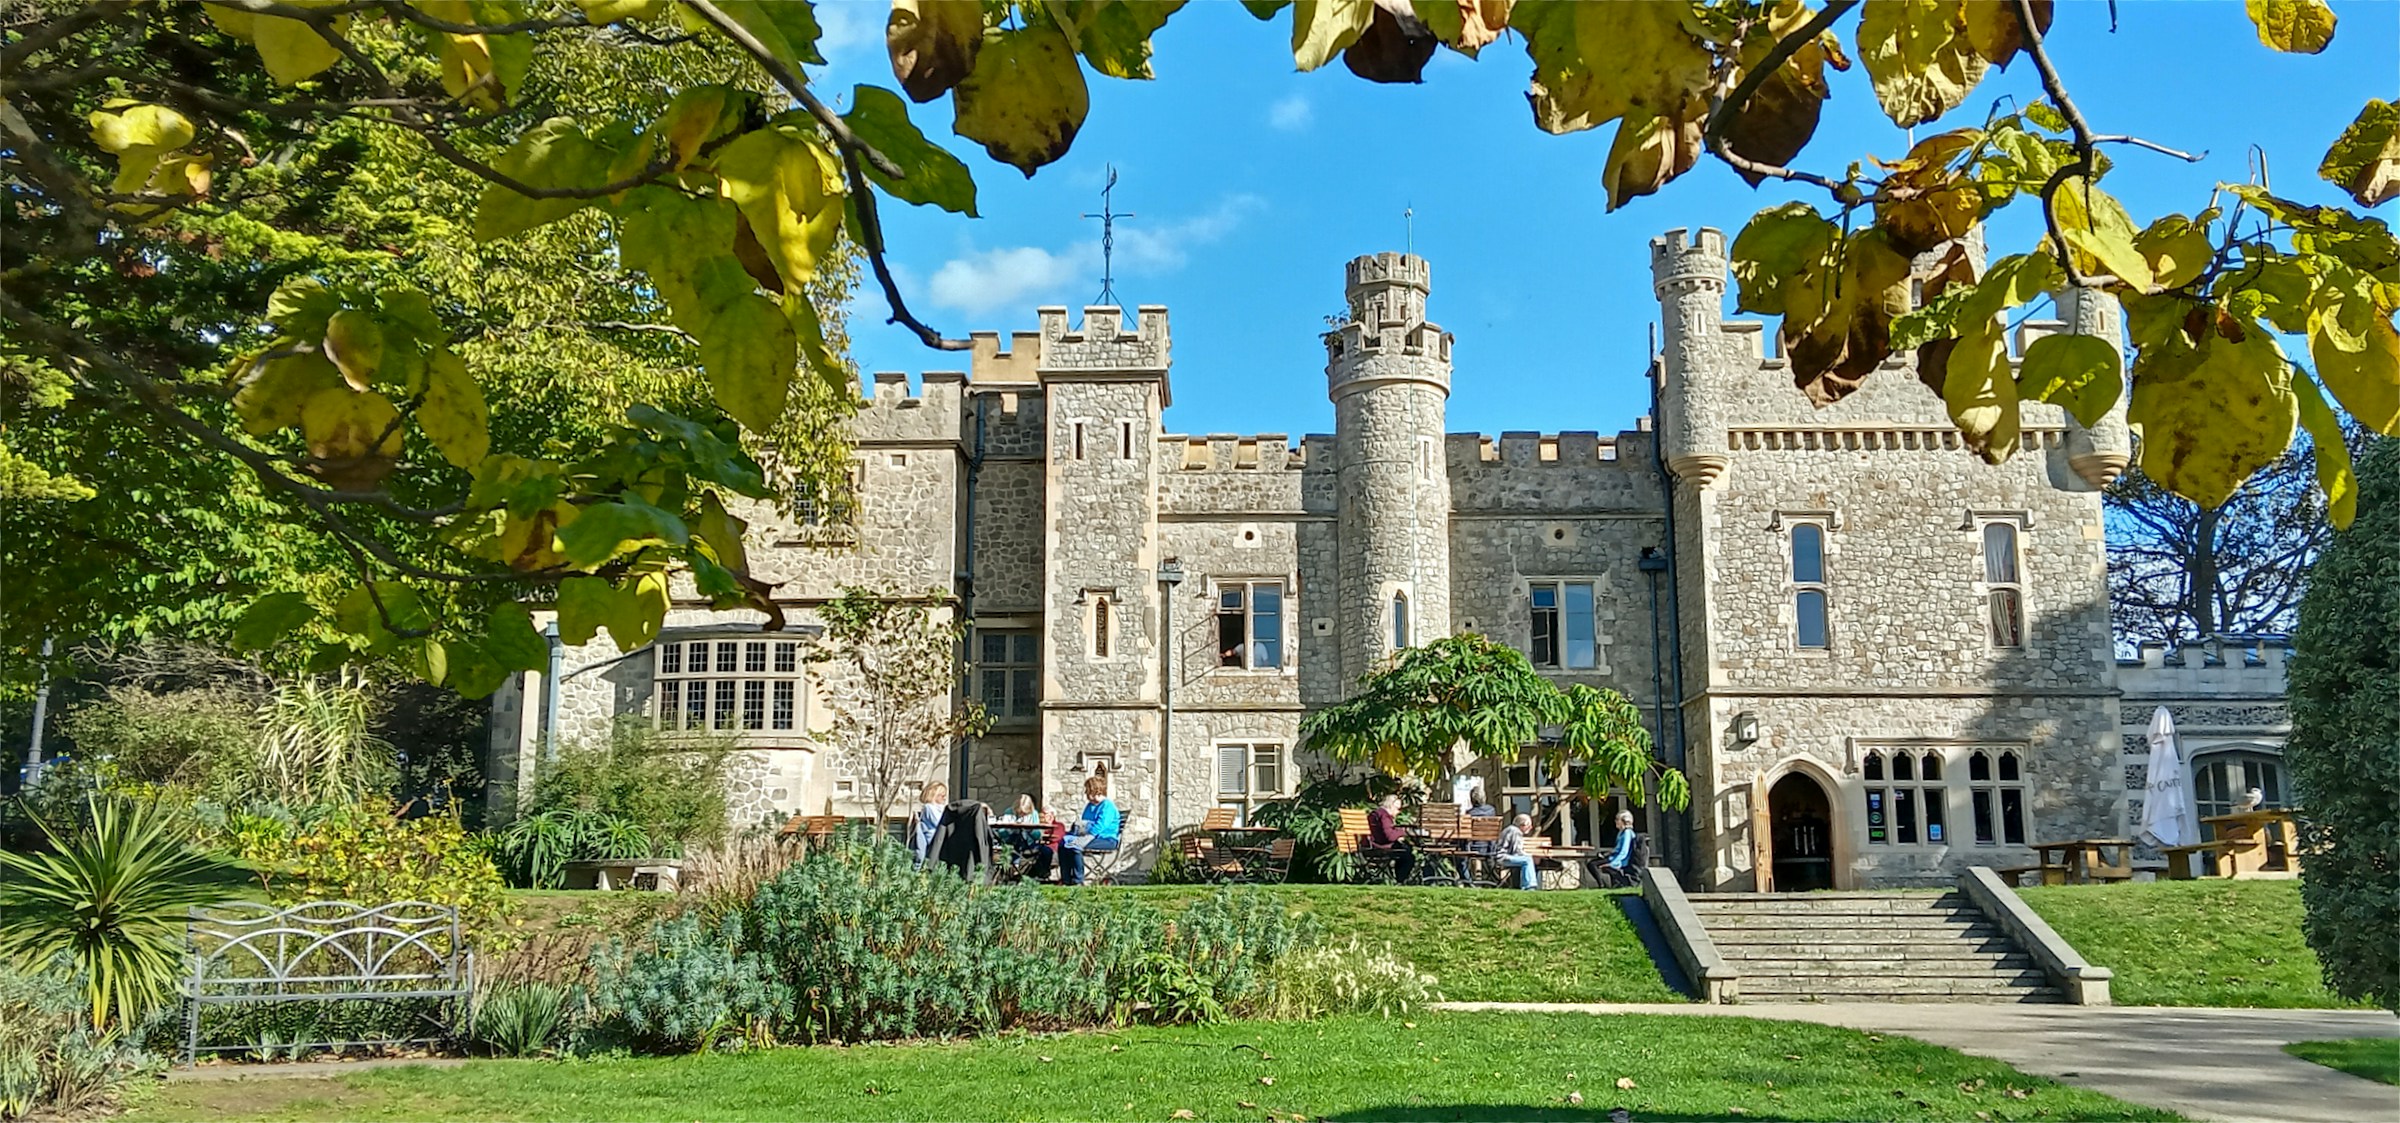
{"points": [[870, 226], [51, 33], [794, 85], [1722, 116]]}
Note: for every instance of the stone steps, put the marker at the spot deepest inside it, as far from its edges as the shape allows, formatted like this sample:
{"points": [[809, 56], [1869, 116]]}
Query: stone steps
{"points": [[1868, 947]]}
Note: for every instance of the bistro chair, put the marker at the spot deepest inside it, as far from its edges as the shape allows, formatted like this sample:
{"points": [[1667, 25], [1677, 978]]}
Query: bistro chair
{"points": [[1276, 867], [1377, 867], [1217, 819], [1201, 860]]}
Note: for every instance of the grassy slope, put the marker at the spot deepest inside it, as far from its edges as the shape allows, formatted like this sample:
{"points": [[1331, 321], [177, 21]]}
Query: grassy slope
{"points": [[2376, 1058], [1486, 945], [2192, 943], [1442, 1066]]}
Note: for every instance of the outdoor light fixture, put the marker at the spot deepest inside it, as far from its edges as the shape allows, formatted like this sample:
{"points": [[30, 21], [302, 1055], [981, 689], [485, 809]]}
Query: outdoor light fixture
{"points": [[1745, 728], [1654, 560]]}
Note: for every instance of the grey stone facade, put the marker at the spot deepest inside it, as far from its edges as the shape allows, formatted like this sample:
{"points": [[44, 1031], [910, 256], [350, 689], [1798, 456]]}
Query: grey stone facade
{"points": [[1043, 489]]}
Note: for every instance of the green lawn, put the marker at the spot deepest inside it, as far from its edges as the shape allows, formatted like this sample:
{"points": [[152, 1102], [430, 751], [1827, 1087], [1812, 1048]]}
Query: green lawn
{"points": [[2192, 943], [1485, 945], [2376, 1058], [1438, 1067]]}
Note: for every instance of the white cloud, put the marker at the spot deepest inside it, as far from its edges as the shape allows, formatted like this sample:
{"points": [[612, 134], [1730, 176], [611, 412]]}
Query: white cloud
{"points": [[1011, 278], [1292, 114]]}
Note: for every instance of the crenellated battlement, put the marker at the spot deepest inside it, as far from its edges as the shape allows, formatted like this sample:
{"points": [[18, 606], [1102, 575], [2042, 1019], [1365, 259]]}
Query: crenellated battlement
{"points": [[1515, 448], [1016, 364], [1104, 343], [1226, 452], [1387, 268], [894, 413], [1677, 261]]}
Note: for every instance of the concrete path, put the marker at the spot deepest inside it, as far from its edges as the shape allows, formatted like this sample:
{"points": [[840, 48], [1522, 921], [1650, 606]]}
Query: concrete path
{"points": [[2203, 1063]]}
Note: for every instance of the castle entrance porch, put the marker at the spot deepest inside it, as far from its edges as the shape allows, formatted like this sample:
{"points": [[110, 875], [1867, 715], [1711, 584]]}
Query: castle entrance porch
{"points": [[1799, 835]]}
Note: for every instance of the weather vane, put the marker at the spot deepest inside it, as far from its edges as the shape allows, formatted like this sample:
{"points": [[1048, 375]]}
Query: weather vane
{"points": [[1108, 217], [1409, 216]]}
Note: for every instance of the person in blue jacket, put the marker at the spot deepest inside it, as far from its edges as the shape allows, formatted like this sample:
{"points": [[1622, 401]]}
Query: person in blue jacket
{"points": [[1615, 869], [931, 801], [1097, 830]]}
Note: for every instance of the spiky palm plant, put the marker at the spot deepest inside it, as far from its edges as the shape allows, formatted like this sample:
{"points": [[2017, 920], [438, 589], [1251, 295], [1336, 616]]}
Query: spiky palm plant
{"points": [[115, 899]]}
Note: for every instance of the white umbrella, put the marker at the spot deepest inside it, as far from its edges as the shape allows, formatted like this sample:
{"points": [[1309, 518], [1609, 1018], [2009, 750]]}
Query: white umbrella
{"points": [[2167, 805]]}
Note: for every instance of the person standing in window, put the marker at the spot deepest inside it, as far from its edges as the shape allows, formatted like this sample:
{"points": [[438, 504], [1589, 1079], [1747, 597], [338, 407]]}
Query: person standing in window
{"points": [[1512, 855], [1614, 870], [930, 801], [1385, 839], [1096, 830]]}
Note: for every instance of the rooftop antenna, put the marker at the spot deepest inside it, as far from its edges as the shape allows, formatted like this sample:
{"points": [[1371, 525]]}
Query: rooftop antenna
{"points": [[1409, 216], [1108, 217]]}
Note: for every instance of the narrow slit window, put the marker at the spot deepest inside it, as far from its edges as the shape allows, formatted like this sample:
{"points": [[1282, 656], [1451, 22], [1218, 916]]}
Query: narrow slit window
{"points": [[1079, 440], [1100, 626], [2004, 585], [1125, 440], [1399, 621], [1811, 627]]}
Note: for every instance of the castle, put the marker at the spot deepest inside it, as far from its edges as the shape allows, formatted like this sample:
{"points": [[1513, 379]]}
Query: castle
{"points": [[1878, 658]]}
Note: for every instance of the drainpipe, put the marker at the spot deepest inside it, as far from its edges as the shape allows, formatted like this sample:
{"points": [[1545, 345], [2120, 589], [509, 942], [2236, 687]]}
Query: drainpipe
{"points": [[1170, 576], [1677, 748], [41, 719], [558, 659], [966, 587]]}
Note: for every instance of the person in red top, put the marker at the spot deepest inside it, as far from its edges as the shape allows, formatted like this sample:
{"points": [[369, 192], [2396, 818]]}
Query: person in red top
{"points": [[1386, 840]]}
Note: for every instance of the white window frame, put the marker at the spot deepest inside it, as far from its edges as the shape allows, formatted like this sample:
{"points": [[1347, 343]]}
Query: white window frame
{"points": [[1560, 659], [1990, 590], [1926, 800], [1253, 759], [1025, 706], [764, 675], [1822, 586], [1283, 638]]}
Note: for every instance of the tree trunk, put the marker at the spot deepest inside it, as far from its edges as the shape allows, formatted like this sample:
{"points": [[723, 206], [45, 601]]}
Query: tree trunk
{"points": [[2200, 597]]}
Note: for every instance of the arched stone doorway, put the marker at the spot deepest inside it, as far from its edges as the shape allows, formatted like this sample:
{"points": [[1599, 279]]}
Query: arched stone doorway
{"points": [[1800, 830]]}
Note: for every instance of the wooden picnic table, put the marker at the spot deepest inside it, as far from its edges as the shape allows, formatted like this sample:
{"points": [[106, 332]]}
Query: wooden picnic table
{"points": [[2081, 861], [2245, 844], [1568, 862]]}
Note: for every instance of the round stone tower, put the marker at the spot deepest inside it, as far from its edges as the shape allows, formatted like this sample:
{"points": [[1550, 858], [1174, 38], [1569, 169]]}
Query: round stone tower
{"points": [[1689, 277], [1388, 372], [2098, 454]]}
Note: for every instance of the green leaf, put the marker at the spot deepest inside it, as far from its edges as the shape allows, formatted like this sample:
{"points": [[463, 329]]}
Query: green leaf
{"points": [[2331, 450], [787, 29], [611, 11], [1025, 100], [1265, 9], [1919, 56], [638, 610], [790, 188], [584, 606], [749, 353], [354, 341], [511, 640], [273, 398], [606, 530], [270, 618], [453, 414], [2365, 378], [2365, 159], [1780, 243], [1322, 29], [2080, 372], [722, 533], [2177, 248], [933, 176], [2210, 415], [356, 613], [1981, 393], [474, 673], [2295, 26], [1112, 35], [554, 154], [2096, 225]]}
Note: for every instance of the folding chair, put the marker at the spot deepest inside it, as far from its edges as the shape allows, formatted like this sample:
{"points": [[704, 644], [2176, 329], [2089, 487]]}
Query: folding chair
{"points": [[1217, 819]]}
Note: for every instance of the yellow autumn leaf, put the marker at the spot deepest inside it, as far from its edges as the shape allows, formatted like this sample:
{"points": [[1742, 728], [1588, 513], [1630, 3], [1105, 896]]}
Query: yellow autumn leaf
{"points": [[934, 44], [273, 397], [2302, 27], [452, 413], [1981, 391], [790, 188], [2212, 413], [292, 49], [1919, 56], [345, 424], [2331, 451], [1594, 63], [2099, 232], [1322, 29]]}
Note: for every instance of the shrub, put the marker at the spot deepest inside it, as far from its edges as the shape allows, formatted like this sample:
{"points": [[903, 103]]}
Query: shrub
{"points": [[114, 901], [537, 848], [1347, 978], [2345, 696], [375, 857], [51, 1060], [318, 743], [693, 987], [1232, 938], [719, 879], [523, 1019], [672, 788], [204, 739]]}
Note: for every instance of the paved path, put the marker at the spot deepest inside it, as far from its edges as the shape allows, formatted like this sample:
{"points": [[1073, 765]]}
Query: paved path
{"points": [[2203, 1063]]}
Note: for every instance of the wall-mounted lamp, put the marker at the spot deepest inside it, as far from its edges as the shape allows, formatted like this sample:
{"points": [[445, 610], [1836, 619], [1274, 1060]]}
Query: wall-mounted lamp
{"points": [[1745, 728], [1654, 560]]}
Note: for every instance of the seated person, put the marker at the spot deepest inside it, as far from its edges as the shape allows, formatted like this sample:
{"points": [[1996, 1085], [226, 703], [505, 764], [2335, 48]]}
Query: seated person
{"points": [[1021, 831], [1096, 830], [1481, 808], [1386, 841], [1511, 853], [931, 801], [1615, 869]]}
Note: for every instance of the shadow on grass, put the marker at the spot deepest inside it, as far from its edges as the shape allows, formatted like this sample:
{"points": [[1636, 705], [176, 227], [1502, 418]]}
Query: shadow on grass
{"points": [[1454, 1113]]}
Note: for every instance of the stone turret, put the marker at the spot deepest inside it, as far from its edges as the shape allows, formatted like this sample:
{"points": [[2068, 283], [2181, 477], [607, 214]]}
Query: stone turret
{"points": [[1388, 372], [2097, 454], [1689, 278]]}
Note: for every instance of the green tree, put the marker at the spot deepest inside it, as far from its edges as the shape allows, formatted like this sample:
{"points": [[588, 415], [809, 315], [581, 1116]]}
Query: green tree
{"points": [[1471, 693], [894, 715], [2344, 749], [360, 408]]}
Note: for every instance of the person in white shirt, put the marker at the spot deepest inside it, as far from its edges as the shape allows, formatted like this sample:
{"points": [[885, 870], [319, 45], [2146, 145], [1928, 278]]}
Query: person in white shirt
{"points": [[1512, 855]]}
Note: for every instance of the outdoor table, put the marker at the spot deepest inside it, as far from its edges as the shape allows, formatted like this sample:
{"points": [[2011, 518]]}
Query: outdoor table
{"points": [[1569, 860], [2252, 837], [2080, 862], [1242, 844]]}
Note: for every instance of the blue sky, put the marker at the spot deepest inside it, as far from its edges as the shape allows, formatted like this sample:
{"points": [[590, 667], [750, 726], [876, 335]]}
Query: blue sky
{"points": [[1251, 185]]}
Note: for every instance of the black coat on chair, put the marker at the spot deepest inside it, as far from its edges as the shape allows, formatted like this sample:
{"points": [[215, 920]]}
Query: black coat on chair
{"points": [[963, 841]]}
